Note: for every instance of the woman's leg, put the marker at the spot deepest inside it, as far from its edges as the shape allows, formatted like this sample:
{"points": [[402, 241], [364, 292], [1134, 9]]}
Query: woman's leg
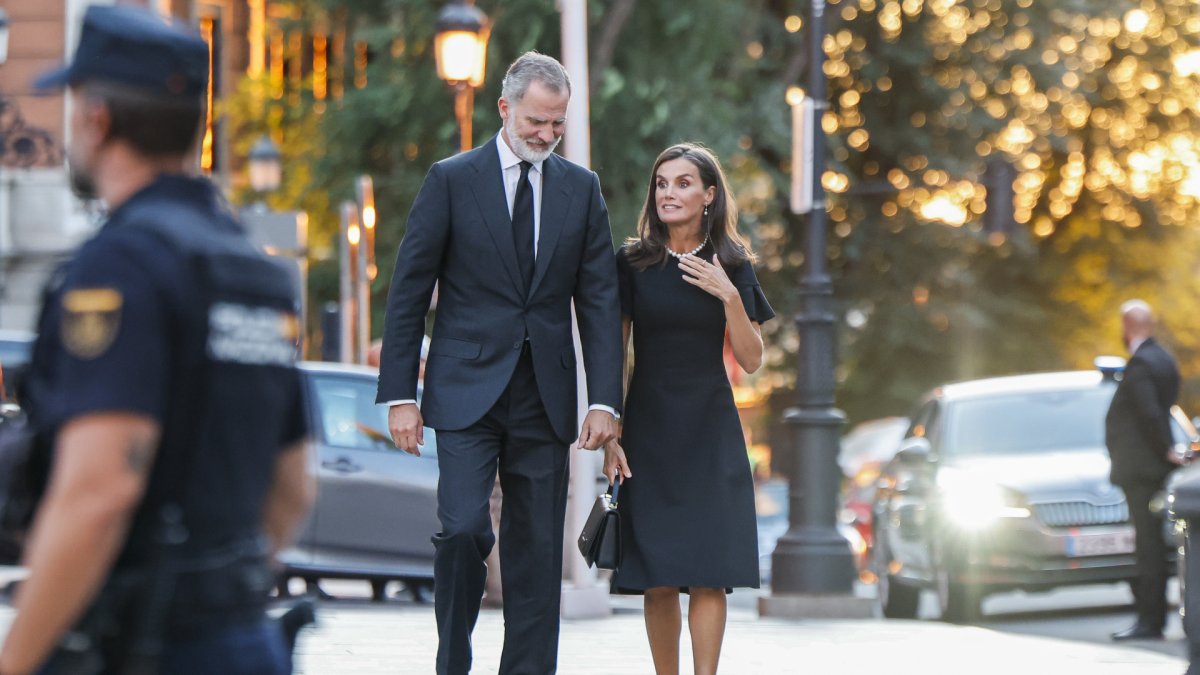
{"points": [[706, 623], [662, 627]]}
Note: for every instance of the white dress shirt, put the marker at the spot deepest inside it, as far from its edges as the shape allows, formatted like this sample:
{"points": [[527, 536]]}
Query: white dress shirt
{"points": [[510, 165]]}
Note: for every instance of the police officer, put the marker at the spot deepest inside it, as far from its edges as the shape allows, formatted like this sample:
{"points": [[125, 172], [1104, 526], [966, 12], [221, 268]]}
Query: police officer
{"points": [[163, 386]]}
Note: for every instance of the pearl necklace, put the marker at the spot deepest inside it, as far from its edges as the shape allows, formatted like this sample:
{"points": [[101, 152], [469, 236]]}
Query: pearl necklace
{"points": [[681, 256]]}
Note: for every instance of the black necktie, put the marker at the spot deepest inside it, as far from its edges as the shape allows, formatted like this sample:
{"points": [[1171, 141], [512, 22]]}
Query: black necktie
{"points": [[522, 219]]}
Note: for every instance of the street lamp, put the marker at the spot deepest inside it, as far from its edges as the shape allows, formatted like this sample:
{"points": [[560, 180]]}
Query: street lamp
{"points": [[281, 233], [265, 166], [366, 204], [351, 237], [460, 46], [813, 558]]}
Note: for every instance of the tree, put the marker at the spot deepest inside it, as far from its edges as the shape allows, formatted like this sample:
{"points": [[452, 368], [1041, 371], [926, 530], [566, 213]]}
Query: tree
{"points": [[1092, 103]]}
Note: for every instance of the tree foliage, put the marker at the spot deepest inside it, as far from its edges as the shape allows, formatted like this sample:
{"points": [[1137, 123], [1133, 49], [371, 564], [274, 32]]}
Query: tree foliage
{"points": [[1092, 103]]}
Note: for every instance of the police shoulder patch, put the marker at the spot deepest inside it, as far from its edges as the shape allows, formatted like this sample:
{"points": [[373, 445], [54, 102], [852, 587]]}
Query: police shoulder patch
{"points": [[90, 320]]}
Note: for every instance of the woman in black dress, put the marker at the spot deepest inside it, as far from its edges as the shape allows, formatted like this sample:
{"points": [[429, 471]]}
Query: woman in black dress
{"points": [[688, 507]]}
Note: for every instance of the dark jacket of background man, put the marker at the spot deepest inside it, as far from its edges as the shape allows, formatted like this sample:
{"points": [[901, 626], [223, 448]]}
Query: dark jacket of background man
{"points": [[1138, 425], [1138, 435]]}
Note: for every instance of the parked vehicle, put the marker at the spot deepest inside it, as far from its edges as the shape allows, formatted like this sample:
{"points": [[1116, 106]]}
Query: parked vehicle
{"points": [[16, 348], [1002, 484], [771, 507], [376, 506], [1182, 492], [865, 450]]}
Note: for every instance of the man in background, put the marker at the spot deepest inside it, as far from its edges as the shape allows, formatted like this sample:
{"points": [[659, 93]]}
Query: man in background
{"points": [[1138, 435]]}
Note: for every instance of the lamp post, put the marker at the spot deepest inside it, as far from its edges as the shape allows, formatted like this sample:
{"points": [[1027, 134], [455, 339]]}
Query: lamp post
{"points": [[281, 233], [460, 47], [351, 236], [265, 166], [366, 269], [812, 568]]}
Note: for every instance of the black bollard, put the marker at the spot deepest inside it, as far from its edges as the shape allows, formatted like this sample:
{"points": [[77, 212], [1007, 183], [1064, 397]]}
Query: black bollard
{"points": [[1183, 499]]}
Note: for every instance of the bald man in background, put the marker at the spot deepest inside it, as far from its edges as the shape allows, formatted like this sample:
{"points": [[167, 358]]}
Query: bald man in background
{"points": [[1137, 432]]}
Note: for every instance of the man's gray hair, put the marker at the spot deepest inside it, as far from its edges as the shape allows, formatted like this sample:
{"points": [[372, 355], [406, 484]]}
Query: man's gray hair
{"points": [[533, 67], [1136, 306]]}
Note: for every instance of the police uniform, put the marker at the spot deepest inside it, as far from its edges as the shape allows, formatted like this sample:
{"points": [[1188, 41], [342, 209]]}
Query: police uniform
{"points": [[169, 312]]}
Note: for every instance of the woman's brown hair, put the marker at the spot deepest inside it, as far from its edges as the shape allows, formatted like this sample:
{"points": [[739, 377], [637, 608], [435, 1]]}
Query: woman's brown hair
{"points": [[650, 246]]}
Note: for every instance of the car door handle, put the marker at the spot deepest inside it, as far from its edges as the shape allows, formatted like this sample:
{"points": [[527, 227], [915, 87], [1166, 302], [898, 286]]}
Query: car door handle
{"points": [[342, 465]]}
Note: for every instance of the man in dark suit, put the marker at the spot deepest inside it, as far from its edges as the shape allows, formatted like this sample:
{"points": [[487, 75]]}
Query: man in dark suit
{"points": [[512, 234], [1138, 435]]}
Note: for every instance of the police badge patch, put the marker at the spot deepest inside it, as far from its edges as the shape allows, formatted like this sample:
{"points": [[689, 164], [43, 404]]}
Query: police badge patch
{"points": [[91, 317]]}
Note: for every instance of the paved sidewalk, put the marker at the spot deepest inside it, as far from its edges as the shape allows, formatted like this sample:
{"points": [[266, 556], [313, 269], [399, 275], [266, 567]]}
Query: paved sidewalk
{"points": [[356, 637], [369, 639]]}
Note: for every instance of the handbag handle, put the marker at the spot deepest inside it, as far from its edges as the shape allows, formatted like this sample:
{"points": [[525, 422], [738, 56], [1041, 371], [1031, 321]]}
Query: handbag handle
{"points": [[613, 489]]}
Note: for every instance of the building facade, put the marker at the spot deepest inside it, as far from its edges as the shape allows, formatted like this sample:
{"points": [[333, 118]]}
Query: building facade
{"points": [[41, 221]]}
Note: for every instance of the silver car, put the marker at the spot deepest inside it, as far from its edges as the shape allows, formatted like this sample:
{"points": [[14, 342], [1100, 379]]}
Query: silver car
{"points": [[376, 506], [1002, 484]]}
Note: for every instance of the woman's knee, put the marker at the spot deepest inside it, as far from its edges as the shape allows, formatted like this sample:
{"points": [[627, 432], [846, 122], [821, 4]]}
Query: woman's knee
{"points": [[708, 594], [662, 594]]}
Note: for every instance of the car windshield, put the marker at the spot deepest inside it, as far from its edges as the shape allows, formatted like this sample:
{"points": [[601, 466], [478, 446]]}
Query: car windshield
{"points": [[1031, 422]]}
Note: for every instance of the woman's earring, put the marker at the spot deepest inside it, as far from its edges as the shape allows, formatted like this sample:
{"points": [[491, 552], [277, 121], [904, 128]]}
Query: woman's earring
{"points": [[706, 210]]}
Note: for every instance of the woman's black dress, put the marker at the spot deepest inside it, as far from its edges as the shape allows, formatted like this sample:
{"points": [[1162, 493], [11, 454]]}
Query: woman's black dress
{"points": [[687, 514]]}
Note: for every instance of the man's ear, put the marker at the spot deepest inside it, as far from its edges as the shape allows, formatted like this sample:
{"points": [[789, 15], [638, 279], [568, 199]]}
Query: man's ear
{"points": [[97, 119], [502, 106]]}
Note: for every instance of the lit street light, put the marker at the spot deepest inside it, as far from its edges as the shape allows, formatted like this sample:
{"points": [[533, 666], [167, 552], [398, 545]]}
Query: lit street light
{"points": [[281, 233], [265, 165], [460, 47]]}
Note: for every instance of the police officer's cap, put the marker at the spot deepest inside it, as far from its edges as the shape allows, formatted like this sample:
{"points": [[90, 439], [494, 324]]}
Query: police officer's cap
{"points": [[134, 47]]}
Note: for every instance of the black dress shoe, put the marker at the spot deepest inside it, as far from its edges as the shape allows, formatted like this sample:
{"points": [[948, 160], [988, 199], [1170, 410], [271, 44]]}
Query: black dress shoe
{"points": [[1138, 632]]}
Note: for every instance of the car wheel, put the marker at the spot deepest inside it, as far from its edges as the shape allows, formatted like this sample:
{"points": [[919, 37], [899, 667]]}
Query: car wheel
{"points": [[897, 600], [958, 601]]}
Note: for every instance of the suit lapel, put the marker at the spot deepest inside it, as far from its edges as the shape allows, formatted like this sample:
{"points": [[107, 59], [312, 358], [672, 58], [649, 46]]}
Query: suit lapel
{"points": [[488, 188], [556, 198]]}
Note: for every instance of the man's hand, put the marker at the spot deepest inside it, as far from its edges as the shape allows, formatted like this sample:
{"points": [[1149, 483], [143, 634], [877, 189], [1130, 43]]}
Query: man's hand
{"points": [[599, 428], [407, 427]]}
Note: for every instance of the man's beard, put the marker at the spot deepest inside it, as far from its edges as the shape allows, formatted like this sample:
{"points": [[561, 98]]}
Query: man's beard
{"points": [[82, 183], [524, 150]]}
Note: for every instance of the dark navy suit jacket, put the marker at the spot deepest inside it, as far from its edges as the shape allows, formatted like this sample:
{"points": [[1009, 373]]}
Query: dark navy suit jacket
{"points": [[459, 235], [1138, 425]]}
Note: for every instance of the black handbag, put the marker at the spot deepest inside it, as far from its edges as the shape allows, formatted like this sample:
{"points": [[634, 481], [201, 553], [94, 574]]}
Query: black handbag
{"points": [[600, 541]]}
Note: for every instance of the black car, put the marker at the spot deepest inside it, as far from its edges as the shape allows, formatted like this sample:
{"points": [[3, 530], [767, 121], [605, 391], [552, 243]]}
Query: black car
{"points": [[1002, 484]]}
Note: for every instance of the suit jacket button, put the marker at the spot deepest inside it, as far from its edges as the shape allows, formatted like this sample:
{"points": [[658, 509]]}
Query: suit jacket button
{"points": [[517, 344]]}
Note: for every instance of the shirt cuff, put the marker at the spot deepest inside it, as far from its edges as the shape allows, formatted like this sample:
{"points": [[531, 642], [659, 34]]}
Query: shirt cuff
{"points": [[597, 406], [400, 402]]}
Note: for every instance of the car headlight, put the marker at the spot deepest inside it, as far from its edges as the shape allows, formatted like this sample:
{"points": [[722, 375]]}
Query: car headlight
{"points": [[972, 503]]}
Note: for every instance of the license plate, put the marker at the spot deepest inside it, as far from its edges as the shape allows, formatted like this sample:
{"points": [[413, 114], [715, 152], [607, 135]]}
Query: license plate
{"points": [[1112, 543]]}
